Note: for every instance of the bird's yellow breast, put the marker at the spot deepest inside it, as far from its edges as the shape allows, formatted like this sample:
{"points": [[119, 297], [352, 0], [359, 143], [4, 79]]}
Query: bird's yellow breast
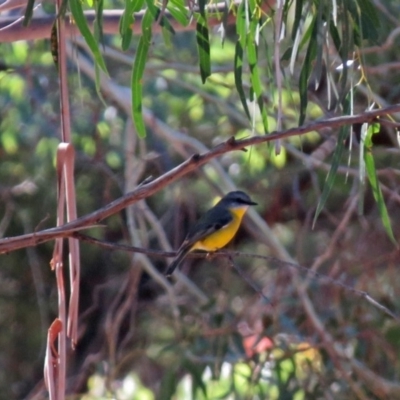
{"points": [[223, 236]]}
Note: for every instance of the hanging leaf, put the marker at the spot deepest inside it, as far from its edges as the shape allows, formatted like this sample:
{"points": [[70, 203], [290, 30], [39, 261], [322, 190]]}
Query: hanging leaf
{"points": [[344, 50], [138, 70], [202, 8], [80, 20], [335, 36], [164, 23], [203, 42], [98, 21], [127, 20], [319, 63], [178, 12], [28, 12], [203, 47], [167, 28], [239, 56], [297, 18], [307, 69], [238, 64], [369, 20], [373, 180], [256, 83]]}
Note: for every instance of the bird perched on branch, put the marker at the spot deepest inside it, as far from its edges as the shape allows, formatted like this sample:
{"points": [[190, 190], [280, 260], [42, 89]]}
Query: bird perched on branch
{"points": [[216, 228]]}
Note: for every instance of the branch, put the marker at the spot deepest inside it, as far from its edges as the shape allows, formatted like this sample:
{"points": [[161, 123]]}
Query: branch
{"points": [[273, 262], [12, 30], [380, 386], [196, 161], [40, 27]]}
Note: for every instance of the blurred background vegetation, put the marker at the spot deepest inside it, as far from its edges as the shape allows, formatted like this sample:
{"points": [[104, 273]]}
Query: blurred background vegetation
{"points": [[270, 332]]}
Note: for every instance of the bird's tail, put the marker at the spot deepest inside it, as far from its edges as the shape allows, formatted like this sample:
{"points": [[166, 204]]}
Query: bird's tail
{"points": [[178, 260]]}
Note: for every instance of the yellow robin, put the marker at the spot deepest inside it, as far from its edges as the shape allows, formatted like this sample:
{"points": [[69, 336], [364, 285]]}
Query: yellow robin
{"points": [[216, 228]]}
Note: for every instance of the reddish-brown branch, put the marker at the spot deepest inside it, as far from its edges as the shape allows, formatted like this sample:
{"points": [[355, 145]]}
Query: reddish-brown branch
{"points": [[40, 26], [149, 188]]}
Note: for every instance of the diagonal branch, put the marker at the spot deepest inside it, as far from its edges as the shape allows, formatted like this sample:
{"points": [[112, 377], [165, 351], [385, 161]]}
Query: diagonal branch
{"points": [[192, 164]]}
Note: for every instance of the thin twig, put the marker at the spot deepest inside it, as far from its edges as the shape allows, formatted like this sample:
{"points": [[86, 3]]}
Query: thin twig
{"points": [[231, 254], [337, 355], [319, 277], [329, 250], [249, 281]]}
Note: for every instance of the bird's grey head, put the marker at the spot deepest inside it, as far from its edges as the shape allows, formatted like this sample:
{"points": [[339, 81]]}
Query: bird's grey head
{"points": [[238, 199]]}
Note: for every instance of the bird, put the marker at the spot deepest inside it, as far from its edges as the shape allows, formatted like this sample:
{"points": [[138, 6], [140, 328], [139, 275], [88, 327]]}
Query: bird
{"points": [[216, 228]]}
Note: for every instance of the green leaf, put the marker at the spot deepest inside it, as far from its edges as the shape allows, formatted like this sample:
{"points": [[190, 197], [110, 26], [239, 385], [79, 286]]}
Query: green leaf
{"points": [[203, 42], [306, 70], [369, 20], [238, 63], [241, 24], [164, 23], [178, 12], [376, 190], [307, 35], [330, 179], [256, 83], [372, 129], [126, 33], [239, 55], [373, 180], [125, 23], [137, 5], [166, 34], [297, 18], [127, 20], [370, 11], [98, 21], [97, 78], [335, 36], [346, 45], [80, 20], [203, 47], [28, 12], [138, 70], [202, 8]]}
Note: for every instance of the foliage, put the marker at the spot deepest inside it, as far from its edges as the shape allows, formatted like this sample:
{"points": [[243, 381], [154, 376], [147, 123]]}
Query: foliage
{"points": [[195, 76]]}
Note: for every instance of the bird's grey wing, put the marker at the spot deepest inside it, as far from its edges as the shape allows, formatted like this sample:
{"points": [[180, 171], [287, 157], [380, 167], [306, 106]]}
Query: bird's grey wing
{"points": [[210, 222]]}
